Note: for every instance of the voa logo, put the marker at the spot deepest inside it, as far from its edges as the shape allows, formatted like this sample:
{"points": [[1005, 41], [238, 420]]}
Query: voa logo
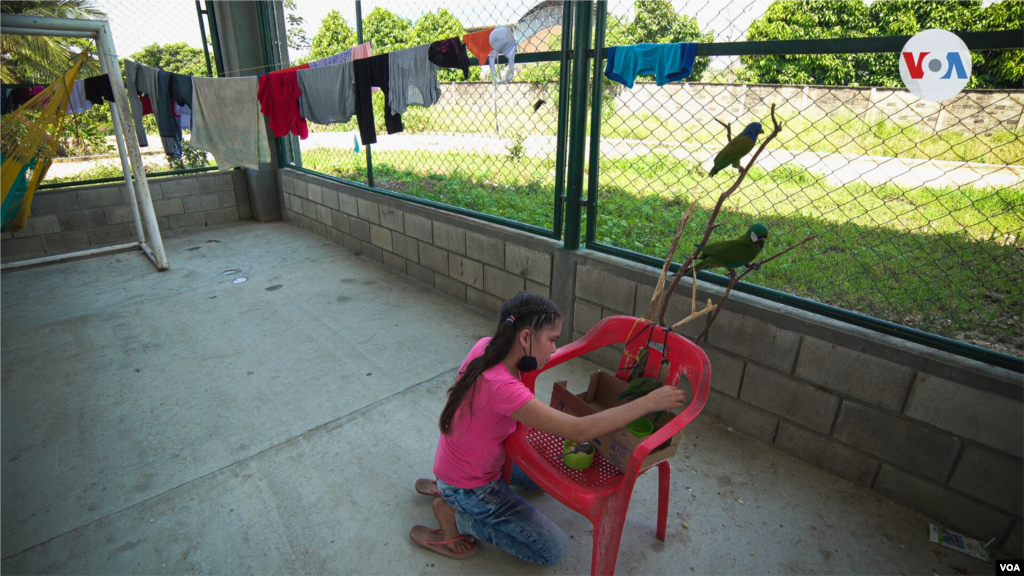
{"points": [[935, 65], [1008, 566]]}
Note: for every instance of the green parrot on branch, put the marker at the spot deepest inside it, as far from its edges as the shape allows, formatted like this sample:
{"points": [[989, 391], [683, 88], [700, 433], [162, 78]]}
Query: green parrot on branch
{"points": [[737, 148], [733, 254]]}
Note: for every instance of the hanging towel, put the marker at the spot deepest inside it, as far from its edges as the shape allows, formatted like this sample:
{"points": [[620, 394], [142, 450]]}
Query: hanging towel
{"points": [[328, 93], [373, 71], [98, 90], [77, 102], [479, 44], [227, 123], [413, 79], [278, 95], [450, 53], [667, 62]]}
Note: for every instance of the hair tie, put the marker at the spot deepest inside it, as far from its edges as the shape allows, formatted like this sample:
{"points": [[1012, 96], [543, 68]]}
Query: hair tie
{"points": [[511, 318]]}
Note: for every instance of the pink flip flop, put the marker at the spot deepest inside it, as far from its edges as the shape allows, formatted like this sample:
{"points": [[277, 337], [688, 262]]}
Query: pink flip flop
{"points": [[427, 487], [431, 539]]}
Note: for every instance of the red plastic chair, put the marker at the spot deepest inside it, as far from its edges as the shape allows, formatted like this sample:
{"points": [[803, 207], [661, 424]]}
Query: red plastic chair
{"points": [[602, 492]]}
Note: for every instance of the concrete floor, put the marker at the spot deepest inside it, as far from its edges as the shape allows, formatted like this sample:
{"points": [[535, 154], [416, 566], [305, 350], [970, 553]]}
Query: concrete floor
{"points": [[178, 423]]}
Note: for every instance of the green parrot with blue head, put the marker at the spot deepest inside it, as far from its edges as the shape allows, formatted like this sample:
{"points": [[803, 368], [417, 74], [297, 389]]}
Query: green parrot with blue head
{"points": [[733, 254], [737, 148]]}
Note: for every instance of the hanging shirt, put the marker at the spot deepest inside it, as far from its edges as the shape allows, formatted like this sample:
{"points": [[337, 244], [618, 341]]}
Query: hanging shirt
{"points": [[279, 100], [667, 62], [98, 90], [328, 93], [369, 72], [181, 89], [473, 452], [131, 73], [156, 84], [479, 44], [77, 102], [227, 123], [183, 114], [450, 53], [361, 51], [413, 79]]}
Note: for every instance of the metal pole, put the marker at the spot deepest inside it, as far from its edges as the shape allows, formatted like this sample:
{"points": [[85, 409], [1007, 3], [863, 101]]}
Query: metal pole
{"points": [[595, 122], [69, 256], [125, 166], [564, 79], [578, 124], [359, 39], [211, 17], [105, 47], [202, 30]]}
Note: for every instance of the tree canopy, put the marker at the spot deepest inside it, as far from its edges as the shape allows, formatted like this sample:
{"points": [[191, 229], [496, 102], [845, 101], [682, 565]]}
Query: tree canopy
{"points": [[334, 36]]}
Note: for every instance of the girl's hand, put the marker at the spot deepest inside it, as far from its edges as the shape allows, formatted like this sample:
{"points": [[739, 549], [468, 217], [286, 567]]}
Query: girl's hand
{"points": [[666, 398]]}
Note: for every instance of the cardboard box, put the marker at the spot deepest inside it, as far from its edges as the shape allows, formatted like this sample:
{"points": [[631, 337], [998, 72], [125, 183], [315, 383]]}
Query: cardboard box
{"points": [[618, 446]]}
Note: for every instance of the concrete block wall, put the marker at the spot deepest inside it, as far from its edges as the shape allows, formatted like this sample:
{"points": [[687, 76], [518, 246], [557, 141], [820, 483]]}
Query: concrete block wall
{"points": [[941, 434], [79, 218], [461, 257], [973, 111]]}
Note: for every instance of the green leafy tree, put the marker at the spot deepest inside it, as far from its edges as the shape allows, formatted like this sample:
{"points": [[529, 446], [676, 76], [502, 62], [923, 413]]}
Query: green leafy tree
{"points": [[658, 23], [178, 57], [906, 18], [432, 27], [808, 19], [45, 58], [1001, 68], [334, 36], [296, 33], [387, 32]]}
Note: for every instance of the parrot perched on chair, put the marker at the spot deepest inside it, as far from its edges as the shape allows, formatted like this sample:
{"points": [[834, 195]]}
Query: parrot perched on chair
{"points": [[734, 253], [737, 148], [639, 388]]}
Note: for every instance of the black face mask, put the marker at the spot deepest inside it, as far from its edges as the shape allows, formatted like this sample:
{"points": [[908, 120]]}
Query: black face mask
{"points": [[528, 363]]}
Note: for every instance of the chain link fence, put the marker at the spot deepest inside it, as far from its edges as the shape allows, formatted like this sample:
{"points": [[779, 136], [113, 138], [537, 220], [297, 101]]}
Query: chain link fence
{"points": [[918, 207], [485, 147], [164, 35]]}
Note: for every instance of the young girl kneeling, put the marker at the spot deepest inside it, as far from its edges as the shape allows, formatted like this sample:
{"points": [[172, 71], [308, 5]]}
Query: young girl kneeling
{"points": [[483, 407]]}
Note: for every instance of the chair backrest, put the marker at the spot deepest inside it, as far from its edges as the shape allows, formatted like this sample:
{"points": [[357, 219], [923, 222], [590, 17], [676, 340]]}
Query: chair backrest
{"points": [[683, 356]]}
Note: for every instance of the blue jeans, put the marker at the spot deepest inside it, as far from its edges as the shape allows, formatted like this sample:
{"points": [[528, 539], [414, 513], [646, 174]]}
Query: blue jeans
{"points": [[494, 513]]}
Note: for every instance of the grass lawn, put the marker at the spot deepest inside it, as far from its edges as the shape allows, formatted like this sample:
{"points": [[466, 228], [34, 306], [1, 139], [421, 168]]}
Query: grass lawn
{"points": [[838, 133], [946, 261]]}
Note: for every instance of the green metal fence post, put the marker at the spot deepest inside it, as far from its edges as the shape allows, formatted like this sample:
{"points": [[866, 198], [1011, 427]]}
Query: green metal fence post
{"points": [[578, 123], [359, 39], [564, 79], [218, 56], [597, 87], [202, 32]]}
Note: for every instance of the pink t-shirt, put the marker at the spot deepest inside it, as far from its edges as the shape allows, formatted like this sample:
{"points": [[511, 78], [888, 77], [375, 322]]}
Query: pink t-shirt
{"points": [[474, 452]]}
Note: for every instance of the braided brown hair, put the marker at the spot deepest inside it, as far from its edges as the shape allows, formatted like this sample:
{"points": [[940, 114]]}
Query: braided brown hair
{"points": [[528, 310]]}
